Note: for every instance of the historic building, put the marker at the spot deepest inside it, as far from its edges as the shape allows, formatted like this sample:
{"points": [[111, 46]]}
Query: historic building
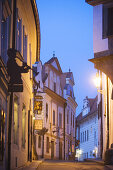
{"points": [[54, 135], [19, 31], [103, 54], [87, 130], [67, 82]]}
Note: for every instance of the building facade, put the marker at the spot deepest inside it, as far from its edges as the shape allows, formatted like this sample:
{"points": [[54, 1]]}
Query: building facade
{"points": [[67, 82], [103, 52], [87, 130], [55, 142], [15, 33]]}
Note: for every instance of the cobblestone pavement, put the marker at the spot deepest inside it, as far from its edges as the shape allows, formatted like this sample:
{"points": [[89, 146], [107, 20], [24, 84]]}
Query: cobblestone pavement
{"points": [[60, 165]]}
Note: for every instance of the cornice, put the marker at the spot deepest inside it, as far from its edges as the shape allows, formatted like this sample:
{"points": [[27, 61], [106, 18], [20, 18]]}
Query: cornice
{"points": [[54, 95], [37, 22]]}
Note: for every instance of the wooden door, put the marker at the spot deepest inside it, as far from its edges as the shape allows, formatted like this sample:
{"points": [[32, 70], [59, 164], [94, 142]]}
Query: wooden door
{"points": [[60, 150], [52, 149]]}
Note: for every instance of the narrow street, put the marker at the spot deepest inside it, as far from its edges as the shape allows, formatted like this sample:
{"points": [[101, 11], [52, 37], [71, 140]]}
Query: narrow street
{"points": [[60, 165]]}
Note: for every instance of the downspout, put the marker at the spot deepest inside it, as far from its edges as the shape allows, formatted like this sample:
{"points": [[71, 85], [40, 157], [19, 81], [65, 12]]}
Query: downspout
{"points": [[65, 104], [107, 115]]}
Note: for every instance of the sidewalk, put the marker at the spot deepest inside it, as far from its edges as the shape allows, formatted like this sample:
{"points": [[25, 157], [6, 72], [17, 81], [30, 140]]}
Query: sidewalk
{"points": [[101, 162], [30, 165]]}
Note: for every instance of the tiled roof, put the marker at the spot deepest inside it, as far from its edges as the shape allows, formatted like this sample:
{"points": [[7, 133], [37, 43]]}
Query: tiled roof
{"points": [[93, 109]]}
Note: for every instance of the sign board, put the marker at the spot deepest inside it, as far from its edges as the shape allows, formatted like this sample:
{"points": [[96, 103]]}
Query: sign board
{"points": [[38, 105], [38, 124]]}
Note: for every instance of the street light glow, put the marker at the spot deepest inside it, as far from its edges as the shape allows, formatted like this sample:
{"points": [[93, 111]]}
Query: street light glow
{"points": [[97, 81]]}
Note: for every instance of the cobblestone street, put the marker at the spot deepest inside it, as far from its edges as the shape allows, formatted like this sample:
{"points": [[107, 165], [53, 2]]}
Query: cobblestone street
{"points": [[60, 165]]}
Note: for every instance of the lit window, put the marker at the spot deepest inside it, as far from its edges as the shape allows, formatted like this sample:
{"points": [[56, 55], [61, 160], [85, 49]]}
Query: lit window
{"points": [[16, 120], [23, 125]]}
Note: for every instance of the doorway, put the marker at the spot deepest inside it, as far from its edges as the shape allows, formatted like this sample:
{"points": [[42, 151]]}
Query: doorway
{"points": [[60, 150], [52, 149]]}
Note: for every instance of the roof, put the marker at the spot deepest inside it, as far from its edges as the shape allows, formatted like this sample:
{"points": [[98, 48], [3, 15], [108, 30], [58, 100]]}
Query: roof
{"points": [[93, 109], [63, 78], [57, 62]]}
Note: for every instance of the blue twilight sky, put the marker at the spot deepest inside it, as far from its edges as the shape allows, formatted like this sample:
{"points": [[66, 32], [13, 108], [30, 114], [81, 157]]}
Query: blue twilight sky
{"points": [[67, 28]]}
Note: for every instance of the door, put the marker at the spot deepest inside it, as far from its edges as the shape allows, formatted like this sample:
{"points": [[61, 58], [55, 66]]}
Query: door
{"points": [[52, 149], [60, 150]]}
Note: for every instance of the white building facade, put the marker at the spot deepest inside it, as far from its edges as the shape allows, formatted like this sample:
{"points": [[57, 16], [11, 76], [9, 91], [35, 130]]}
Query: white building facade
{"points": [[103, 52], [53, 114], [87, 128]]}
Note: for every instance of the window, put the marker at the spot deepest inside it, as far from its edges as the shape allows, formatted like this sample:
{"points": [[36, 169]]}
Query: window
{"points": [[19, 35], [39, 141], [4, 40], [47, 144], [73, 121], [24, 45], [81, 137], [23, 125], [53, 117], [87, 135], [16, 120], [70, 93], [46, 111], [71, 118], [60, 120], [54, 87], [107, 20], [67, 116]]}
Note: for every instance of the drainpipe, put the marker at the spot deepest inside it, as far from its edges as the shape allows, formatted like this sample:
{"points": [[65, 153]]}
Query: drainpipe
{"points": [[65, 104], [107, 115], [100, 110]]}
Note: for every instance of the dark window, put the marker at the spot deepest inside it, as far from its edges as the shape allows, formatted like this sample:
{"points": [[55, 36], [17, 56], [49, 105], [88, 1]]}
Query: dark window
{"points": [[60, 120], [54, 87], [19, 35], [47, 144], [71, 118], [53, 117], [107, 21], [24, 45], [4, 40], [67, 116], [87, 135], [46, 111], [83, 136], [39, 141]]}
